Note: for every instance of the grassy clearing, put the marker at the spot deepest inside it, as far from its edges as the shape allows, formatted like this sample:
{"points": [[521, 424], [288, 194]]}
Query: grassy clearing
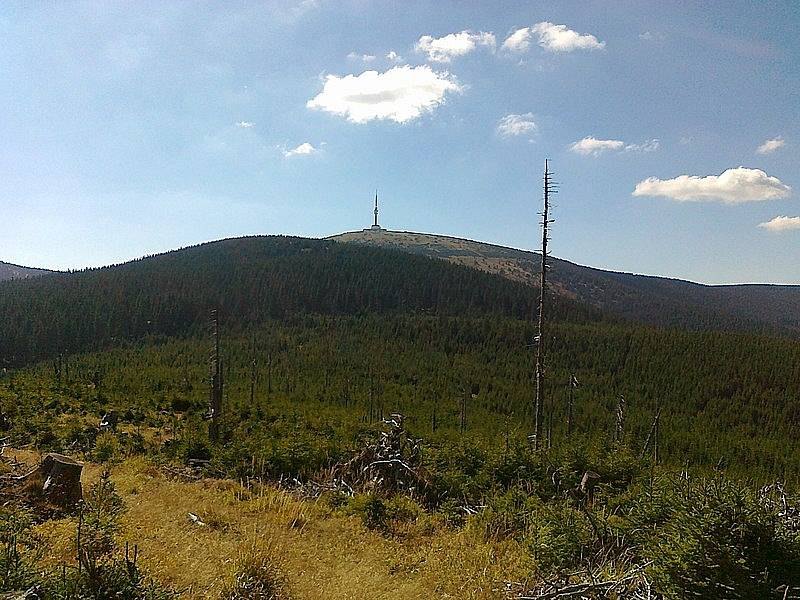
{"points": [[315, 551]]}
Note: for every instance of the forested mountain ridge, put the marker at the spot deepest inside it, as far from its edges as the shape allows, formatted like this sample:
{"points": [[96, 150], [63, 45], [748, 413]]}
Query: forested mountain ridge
{"points": [[321, 341], [640, 298], [250, 280], [11, 271]]}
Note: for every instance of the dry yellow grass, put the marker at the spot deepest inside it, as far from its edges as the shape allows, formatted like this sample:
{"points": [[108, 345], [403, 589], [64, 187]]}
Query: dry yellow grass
{"points": [[322, 555]]}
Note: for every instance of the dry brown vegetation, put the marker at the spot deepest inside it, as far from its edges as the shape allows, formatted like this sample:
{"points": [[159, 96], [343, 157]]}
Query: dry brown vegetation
{"points": [[319, 553]]}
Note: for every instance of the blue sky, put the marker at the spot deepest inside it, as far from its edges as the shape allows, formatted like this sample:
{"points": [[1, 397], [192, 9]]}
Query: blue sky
{"points": [[133, 128]]}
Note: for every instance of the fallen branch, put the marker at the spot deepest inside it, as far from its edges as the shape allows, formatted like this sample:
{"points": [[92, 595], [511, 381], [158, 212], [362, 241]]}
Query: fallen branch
{"points": [[551, 591], [195, 519]]}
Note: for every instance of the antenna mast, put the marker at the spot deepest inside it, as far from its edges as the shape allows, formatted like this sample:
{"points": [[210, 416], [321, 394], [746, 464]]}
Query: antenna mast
{"points": [[376, 209], [539, 406]]}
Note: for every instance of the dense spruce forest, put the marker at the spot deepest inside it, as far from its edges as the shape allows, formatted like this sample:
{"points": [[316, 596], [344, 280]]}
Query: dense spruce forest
{"points": [[249, 280], [322, 341], [334, 319], [636, 298]]}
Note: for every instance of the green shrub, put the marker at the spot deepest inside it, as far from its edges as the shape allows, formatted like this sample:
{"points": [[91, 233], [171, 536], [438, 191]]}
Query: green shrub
{"points": [[559, 536], [106, 447], [19, 549], [720, 540]]}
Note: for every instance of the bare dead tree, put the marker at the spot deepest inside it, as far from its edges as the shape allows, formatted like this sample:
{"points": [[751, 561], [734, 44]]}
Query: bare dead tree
{"points": [[253, 371], [539, 402], [620, 414], [573, 383], [656, 436], [216, 391], [652, 437], [371, 398], [463, 420], [269, 374]]}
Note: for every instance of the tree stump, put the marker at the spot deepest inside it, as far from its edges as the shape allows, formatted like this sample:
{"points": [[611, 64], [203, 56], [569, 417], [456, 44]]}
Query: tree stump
{"points": [[60, 478], [109, 421]]}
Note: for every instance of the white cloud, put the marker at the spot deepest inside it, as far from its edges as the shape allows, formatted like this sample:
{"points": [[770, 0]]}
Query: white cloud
{"points": [[595, 147], [781, 224], [553, 38], [592, 146], [769, 146], [444, 49], [245, 124], [733, 186], [303, 149], [519, 41], [362, 57], [647, 146], [394, 57], [513, 125], [400, 94], [651, 36], [557, 38]]}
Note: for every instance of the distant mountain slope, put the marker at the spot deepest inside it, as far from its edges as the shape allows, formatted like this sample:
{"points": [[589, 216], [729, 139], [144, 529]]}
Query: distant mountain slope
{"points": [[655, 300], [250, 280], [9, 271]]}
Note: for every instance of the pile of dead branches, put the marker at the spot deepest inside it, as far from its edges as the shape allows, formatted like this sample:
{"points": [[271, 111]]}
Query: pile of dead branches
{"points": [[390, 465], [633, 585], [775, 499]]}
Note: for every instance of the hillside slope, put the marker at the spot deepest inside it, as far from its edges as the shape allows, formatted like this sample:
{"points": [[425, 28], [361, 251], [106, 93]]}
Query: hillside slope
{"points": [[10, 271], [654, 300], [250, 280]]}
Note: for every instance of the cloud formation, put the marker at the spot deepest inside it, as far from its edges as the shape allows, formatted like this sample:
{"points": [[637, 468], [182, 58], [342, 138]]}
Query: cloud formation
{"points": [[446, 48], [362, 57], [779, 224], [394, 57], [769, 146], [303, 149], [551, 37], [400, 94], [592, 146], [647, 146], [513, 125], [245, 124], [518, 42], [651, 36], [733, 186]]}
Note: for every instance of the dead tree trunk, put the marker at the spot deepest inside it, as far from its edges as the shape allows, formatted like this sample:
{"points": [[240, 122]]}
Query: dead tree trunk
{"points": [[463, 420], [620, 414], [253, 372], [573, 383], [652, 437], [656, 437], [539, 403], [215, 394], [269, 374]]}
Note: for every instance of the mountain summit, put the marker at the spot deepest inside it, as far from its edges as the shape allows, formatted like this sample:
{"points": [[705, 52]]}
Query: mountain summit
{"points": [[643, 298]]}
